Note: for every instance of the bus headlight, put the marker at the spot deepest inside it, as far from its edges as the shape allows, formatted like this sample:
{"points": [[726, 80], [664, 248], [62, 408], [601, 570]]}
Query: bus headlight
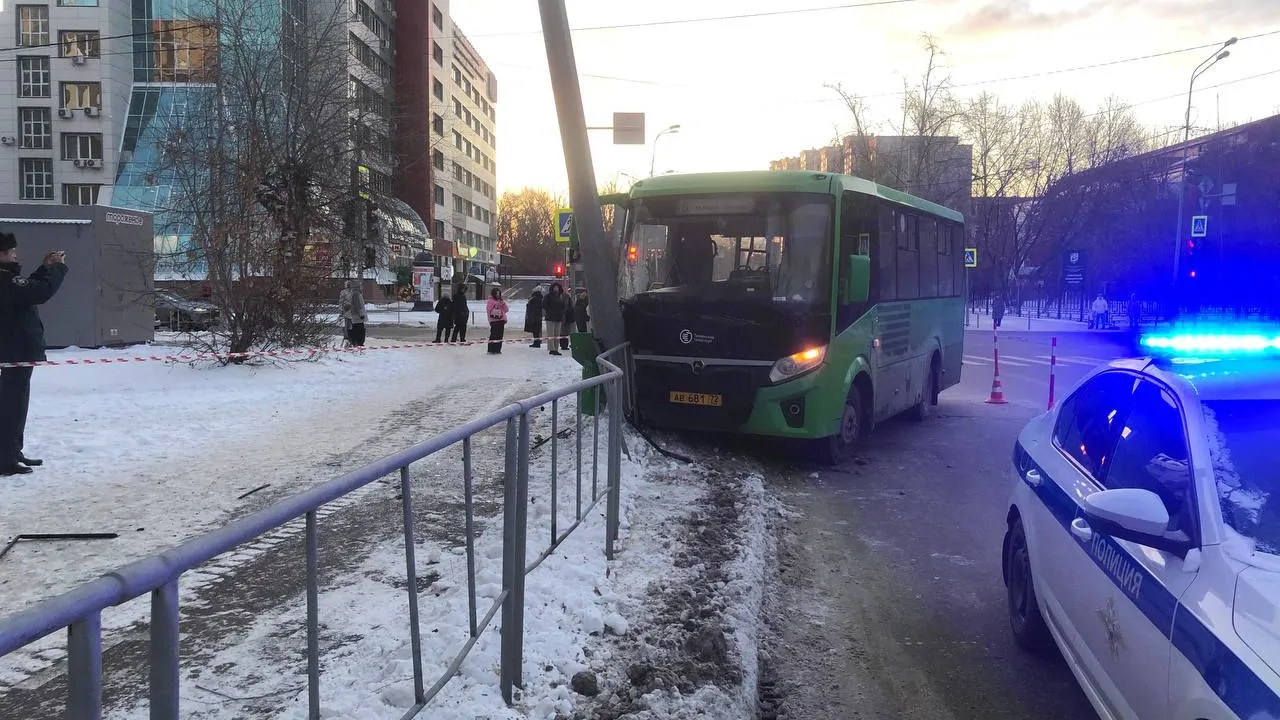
{"points": [[797, 364]]}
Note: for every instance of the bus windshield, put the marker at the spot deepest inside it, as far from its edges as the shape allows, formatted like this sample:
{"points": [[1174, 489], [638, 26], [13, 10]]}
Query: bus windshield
{"points": [[772, 247]]}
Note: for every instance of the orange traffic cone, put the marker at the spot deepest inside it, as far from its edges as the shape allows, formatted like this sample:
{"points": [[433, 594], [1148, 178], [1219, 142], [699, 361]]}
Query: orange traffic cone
{"points": [[997, 390]]}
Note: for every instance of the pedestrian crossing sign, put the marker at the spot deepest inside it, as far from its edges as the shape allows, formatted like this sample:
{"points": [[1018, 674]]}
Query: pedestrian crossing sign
{"points": [[564, 226], [1199, 225], [971, 257]]}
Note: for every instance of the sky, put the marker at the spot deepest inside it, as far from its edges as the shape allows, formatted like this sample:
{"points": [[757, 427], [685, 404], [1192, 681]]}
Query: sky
{"points": [[748, 90]]}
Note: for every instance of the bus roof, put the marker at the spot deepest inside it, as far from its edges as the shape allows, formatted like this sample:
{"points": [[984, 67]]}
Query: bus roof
{"points": [[781, 181]]}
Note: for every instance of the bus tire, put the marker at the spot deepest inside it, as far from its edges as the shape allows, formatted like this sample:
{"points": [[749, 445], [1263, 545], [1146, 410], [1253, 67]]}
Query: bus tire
{"points": [[839, 448], [927, 407]]}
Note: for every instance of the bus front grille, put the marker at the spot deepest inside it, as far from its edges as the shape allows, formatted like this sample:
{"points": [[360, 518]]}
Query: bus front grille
{"points": [[696, 394]]}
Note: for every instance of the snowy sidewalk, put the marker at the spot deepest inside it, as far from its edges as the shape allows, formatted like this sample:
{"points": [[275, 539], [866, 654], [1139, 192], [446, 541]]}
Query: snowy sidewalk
{"points": [[159, 453]]}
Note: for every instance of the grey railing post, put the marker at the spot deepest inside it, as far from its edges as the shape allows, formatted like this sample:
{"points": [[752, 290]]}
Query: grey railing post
{"points": [[522, 540], [555, 467], [511, 568], [164, 652], [313, 617], [411, 578], [613, 502], [84, 668], [470, 525]]}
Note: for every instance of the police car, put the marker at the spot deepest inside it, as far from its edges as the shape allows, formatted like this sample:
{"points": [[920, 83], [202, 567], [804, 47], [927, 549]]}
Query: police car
{"points": [[1144, 531]]}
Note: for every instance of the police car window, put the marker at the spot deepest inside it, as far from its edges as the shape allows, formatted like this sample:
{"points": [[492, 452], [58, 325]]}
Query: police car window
{"points": [[1090, 420], [1243, 435], [1152, 455]]}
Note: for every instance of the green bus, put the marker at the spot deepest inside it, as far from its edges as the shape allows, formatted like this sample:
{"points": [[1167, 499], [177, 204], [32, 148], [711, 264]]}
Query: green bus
{"points": [[799, 305]]}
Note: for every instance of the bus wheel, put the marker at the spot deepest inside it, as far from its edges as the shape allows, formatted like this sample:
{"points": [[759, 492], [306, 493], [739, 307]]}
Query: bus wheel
{"points": [[927, 406], [838, 449]]}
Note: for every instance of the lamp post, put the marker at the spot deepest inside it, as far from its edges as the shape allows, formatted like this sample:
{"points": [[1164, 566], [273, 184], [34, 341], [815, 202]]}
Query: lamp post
{"points": [[654, 157], [1218, 55]]}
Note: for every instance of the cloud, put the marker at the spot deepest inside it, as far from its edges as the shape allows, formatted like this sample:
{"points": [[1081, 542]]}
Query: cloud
{"points": [[1002, 16]]}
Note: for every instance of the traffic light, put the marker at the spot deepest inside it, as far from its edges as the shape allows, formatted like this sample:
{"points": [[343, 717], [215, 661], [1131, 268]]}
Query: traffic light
{"points": [[575, 256], [633, 254], [559, 270], [1191, 259]]}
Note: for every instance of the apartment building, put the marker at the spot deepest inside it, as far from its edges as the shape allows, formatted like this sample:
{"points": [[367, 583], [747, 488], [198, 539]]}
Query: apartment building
{"points": [[62, 103], [463, 147]]}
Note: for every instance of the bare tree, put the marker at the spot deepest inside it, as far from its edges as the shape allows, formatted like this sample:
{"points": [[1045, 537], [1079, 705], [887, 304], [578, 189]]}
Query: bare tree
{"points": [[258, 154], [526, 230], [924, 158]]}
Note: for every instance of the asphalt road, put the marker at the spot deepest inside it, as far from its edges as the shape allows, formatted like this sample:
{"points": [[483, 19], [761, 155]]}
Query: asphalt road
{"points": [[888, 600]]}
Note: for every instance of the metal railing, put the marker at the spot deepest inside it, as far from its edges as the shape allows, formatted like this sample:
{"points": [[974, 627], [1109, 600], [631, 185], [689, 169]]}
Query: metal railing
{"points": [[80, 610]]}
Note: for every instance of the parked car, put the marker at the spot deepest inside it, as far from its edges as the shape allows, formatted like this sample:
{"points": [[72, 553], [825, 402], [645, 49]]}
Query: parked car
{"points": [[179, 314]]}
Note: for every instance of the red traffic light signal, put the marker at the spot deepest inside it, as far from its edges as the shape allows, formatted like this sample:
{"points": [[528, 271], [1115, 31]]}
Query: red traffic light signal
{"points": [[559, 270], [633, 254]]}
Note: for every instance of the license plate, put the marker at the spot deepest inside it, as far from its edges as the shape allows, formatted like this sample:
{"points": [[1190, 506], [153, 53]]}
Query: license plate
{"points": [[704, 399]]}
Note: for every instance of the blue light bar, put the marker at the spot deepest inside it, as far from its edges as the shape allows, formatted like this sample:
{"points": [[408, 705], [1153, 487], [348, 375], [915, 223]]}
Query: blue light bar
{"points": [[1212, 344]]}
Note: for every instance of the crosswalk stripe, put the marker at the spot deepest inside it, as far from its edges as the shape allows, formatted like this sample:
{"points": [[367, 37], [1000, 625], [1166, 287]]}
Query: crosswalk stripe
{"points": [[1041, 360]]}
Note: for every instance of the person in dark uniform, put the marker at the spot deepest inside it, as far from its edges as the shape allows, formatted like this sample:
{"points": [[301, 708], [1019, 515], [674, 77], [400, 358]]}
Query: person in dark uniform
{"points": [[21, 340]]}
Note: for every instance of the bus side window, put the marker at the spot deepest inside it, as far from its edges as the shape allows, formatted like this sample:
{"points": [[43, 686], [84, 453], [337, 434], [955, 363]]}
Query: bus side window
{"points": [[929, 257], [946, 261], [857, 230], [908, 257], [884, 257]]}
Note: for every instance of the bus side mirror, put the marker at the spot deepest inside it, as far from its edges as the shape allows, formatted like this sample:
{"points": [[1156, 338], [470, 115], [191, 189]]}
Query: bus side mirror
{"points": [[858, 287]]}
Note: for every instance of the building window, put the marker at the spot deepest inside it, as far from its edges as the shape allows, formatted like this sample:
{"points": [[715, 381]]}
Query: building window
{"points": [[77, 95], [36, 178], [457, 139], [80, 194], [437, 124], [33, 77], [33, 25], [457, 172], [77, 3], [457, 107], [81, 146], [175, 51], [437, 159], [36, 128], [457, 76], [437, 53], [440, 196], [437, 17], [459, 205], [439, 229], [437, 89], [79, 43]]}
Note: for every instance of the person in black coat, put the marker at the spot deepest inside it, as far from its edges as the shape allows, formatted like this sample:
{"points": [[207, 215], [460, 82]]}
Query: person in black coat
{"points": [[444, 321], [533, 316], [461, 313], [554, 306], [21, 340]]}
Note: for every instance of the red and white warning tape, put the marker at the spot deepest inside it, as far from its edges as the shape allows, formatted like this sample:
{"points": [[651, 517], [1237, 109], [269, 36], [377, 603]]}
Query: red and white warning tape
{"points": [[224, 357]]}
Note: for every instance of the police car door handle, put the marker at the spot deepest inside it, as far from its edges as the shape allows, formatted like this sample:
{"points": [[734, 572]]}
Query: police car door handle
{"points": [[1080, 528], [1032, 477]]}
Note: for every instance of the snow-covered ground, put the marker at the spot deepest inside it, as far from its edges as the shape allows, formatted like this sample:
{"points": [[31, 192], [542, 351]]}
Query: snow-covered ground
{"points": [[159, 452]]}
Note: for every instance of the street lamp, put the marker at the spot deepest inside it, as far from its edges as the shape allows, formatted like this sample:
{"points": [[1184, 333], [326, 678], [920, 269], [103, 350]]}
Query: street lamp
{"points": [[654, 157], [1218, 55]]}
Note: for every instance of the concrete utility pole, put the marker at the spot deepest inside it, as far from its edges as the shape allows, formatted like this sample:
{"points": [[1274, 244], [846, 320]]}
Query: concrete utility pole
{"points": [[597, 255]]}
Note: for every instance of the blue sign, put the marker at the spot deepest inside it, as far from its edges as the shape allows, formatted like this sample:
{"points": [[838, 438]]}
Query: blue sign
{"points": [[971, 257], [1199, 225], [564, 226]]}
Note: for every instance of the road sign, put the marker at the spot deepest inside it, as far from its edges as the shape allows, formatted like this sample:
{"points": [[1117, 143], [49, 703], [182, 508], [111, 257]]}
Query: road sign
{"points": [[971, 257], [1073, 268], [1199, 225], [628, 128], [564, 225]]}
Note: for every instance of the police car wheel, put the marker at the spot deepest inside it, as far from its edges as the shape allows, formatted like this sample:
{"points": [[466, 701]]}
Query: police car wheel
{"points": [[1029, 629]]}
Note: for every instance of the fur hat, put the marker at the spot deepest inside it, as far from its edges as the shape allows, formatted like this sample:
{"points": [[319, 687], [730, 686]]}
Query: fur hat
{"points": [[7, 241]]}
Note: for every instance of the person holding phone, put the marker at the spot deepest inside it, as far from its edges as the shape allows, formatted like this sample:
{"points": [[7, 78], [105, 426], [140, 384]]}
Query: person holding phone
{"points": [[21, 340]]}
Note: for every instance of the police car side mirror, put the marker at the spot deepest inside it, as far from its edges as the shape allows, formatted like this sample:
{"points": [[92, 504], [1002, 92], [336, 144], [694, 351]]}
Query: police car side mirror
{"points": [[1138, 516]]}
